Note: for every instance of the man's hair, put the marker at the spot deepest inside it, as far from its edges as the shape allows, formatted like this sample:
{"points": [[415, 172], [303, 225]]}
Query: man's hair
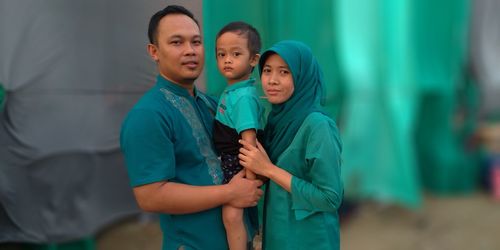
{"points": [[155, 19], [242, 28]]}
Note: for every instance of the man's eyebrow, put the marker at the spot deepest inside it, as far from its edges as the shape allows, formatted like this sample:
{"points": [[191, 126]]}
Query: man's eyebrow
{"points": [[175, 36]]}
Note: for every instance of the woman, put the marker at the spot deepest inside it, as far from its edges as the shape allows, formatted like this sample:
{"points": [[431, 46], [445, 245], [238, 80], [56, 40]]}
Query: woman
{"points": [[305, 191]]}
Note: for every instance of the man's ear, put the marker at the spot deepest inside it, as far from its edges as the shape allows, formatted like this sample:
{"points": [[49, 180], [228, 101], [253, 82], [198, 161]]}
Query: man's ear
{"points": [[254, 60], [153, 52]]}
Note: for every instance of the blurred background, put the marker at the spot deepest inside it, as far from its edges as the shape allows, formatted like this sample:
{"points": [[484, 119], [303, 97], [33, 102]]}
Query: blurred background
{"points": [[414, 86]]}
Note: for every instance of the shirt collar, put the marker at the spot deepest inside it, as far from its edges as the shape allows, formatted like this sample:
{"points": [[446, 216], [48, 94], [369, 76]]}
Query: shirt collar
{"points": [[164, 83], [245, 83]]}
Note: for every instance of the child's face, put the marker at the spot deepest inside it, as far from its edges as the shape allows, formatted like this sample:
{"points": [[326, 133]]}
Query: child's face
{"points": [[277, 80], [233, 57]]}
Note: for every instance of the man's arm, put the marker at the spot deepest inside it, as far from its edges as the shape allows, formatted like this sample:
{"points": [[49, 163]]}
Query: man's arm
{"points": [[176, 198]]}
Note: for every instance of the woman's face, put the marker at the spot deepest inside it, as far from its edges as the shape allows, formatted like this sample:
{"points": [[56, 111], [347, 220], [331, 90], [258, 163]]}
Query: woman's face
{"points": [[277, 80]]}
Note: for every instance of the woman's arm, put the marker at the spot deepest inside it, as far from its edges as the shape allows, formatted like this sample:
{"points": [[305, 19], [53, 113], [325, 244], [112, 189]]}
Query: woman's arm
{"points": [[322, 189], [256, 159]]}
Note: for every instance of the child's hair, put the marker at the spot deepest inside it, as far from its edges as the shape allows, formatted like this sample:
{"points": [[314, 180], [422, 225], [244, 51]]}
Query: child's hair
{"points": [[242, 28]]}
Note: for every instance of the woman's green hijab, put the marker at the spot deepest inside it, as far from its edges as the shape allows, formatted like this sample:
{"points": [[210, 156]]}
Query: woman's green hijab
{"points": [[285, 119]]}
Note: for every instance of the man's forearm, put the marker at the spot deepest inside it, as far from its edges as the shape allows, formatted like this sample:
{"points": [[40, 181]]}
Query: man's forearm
{"points": [[176, 198]]}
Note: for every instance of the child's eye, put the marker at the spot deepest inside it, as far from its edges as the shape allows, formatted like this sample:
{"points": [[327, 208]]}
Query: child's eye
{"points": [[284, 72], [236, 54], [220, 54], [266, 70]]}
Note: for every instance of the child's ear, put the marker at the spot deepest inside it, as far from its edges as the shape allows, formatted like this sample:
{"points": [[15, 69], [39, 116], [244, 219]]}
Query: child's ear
{"points": [[254, 60]]}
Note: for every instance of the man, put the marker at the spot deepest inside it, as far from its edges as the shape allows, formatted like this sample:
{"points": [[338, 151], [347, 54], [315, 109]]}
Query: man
{"points": [[166, 140]]}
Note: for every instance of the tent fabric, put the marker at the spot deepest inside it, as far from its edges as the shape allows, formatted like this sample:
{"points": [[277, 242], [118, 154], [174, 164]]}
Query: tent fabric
{"points": [[278, 20], [440, 32], [380, 101], [484, 51], [71, 70]]}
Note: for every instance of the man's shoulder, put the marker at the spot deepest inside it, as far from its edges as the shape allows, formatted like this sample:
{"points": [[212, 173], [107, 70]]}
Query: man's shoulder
{"points": [[210, 101], [153, 99]]}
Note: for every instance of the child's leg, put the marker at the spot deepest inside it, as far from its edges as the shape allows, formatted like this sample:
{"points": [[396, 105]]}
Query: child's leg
{"points": [[250, 175], [235, 228]]}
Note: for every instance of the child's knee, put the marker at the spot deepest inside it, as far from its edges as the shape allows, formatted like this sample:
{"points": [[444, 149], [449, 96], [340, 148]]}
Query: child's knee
{"points": [[232, 217]]}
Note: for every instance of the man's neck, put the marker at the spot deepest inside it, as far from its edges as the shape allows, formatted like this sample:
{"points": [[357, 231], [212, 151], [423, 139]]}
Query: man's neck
{"points": [[188, 85]]}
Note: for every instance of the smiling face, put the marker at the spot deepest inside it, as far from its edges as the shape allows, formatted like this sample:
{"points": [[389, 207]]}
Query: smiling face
{"points": [[234, 60], [179, 50], [277, 80]]}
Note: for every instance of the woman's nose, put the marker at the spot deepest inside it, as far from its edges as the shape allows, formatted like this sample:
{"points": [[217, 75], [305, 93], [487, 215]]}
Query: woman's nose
{"points": [[273, 81]]}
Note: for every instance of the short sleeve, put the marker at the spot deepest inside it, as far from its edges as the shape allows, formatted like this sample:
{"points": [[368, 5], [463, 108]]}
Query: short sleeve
{"points": [[246, 114], [146, 143]]}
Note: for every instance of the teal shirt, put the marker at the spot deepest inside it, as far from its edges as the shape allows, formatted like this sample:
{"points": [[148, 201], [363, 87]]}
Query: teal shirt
{"points": [[168, 136], [238, 110], [307, 217], [239, 107]]}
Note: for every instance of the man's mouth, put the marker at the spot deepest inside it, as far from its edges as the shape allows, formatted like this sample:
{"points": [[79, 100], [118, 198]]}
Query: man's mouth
{"points": [[190, 64]]}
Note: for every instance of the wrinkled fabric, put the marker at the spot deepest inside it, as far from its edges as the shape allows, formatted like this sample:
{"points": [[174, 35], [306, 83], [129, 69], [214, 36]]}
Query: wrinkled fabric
{"points": [[485, 59], [71, 70], [307, 216]]}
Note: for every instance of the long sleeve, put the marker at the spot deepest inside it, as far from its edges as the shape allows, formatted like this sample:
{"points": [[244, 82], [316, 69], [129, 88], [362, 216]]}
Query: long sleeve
{"points": [[319, 187]]}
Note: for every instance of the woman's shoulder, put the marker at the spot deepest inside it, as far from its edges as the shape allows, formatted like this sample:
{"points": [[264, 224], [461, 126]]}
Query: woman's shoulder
{"points": [[319, 119]]}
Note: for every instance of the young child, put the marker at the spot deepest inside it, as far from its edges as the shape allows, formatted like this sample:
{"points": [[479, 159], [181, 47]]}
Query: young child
{"points": [[239, 113]]}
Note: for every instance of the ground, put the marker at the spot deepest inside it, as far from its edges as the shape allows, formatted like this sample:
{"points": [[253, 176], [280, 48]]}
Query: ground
{"points": [[444, 223]]}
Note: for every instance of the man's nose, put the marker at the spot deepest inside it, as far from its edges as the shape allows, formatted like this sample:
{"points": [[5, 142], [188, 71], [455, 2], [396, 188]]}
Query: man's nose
{"points": [[190, 49]]}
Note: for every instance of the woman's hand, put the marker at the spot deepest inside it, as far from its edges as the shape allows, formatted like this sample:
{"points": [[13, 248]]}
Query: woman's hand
{"points": [[255, 158]]}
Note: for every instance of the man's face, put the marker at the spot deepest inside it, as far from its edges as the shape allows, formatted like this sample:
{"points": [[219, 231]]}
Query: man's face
{"points": [[178, 50]]}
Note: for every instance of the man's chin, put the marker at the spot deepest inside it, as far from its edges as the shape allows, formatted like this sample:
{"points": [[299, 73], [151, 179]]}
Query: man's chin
{"points": [[193, 76]]}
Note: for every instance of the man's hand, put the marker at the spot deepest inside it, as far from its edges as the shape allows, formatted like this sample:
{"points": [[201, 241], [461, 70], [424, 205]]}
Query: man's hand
{"points": [[244, 192]]}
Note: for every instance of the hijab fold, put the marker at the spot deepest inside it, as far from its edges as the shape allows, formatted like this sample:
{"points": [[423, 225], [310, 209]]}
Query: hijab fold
{"points": [[285, 119]]}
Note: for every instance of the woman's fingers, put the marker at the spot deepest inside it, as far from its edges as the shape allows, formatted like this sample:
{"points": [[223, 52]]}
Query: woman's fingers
{"points": [[259, 146], [246, 145]]}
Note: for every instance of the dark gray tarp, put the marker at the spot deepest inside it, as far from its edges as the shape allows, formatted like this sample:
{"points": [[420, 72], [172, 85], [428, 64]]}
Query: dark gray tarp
{"points": [[485, 53], [72, 70]]}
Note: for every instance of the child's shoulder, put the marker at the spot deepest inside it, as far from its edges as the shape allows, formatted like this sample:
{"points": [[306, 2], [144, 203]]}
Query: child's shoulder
{"points": [[249, 90]]}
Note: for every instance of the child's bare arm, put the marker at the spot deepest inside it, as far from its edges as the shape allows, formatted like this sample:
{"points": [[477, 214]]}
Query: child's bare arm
{"points": [[250, 136]]}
